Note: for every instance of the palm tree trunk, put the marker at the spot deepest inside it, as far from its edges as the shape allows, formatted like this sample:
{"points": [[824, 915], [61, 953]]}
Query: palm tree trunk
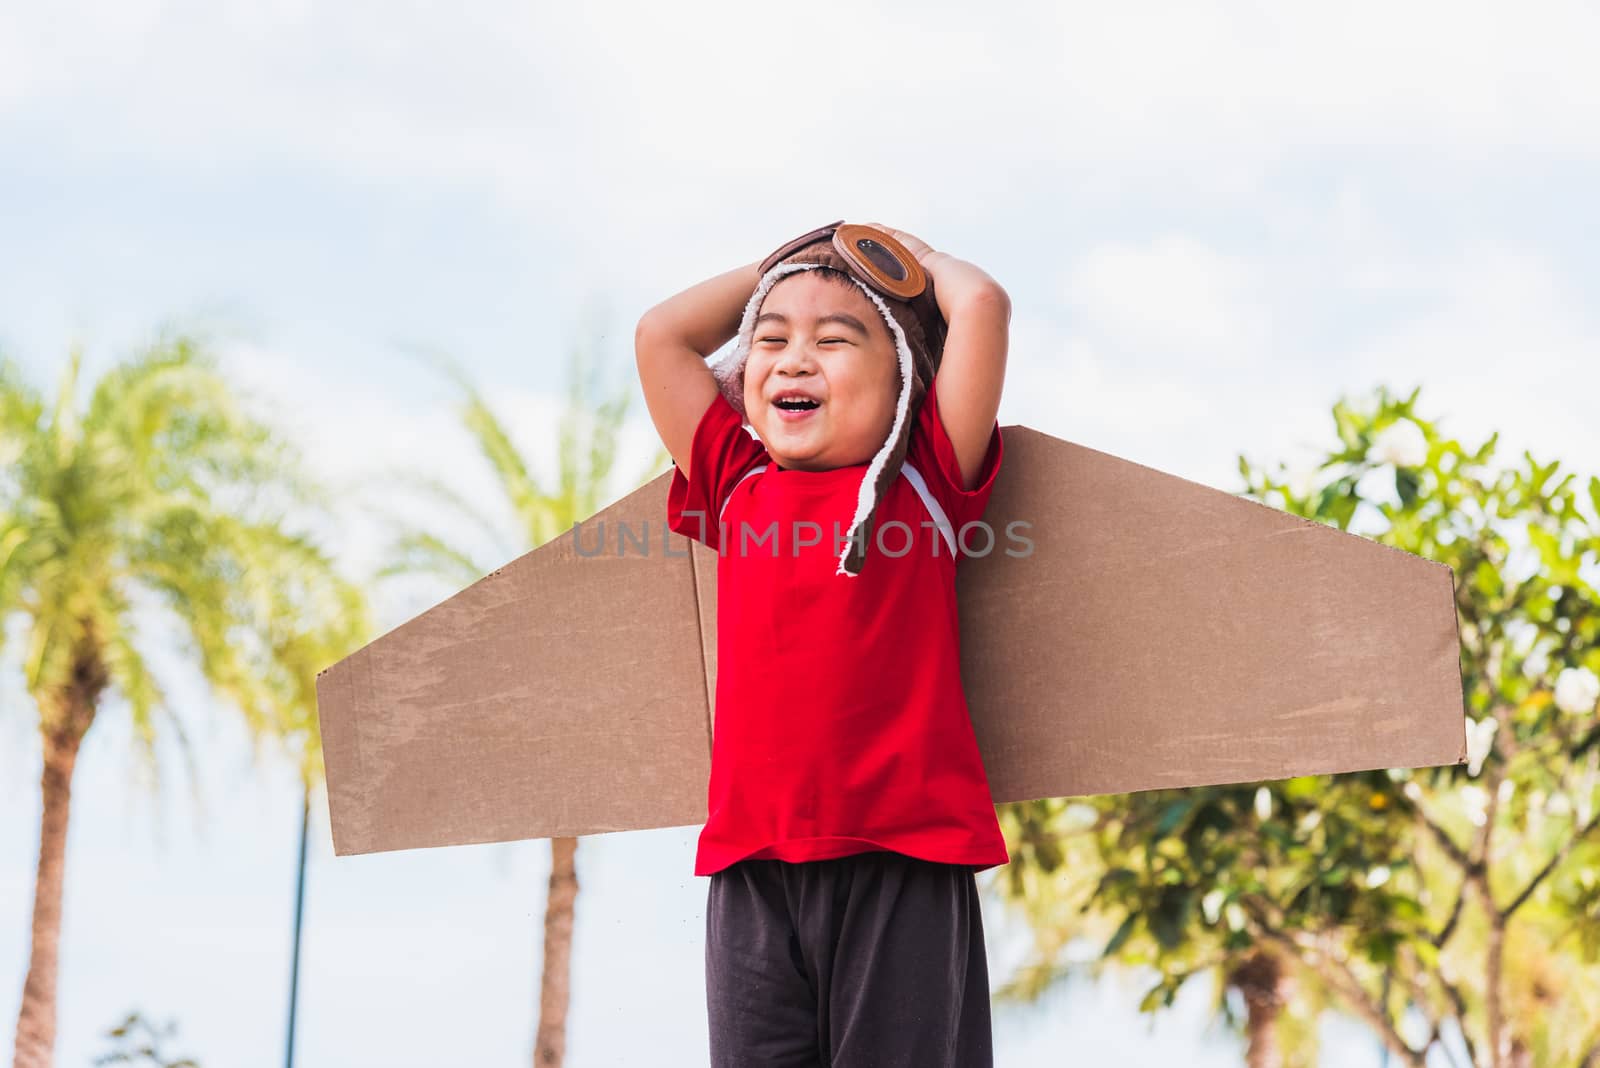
{"points": [[1260, 979], [550, 1043], [1499, 1037], [36, 1021]]}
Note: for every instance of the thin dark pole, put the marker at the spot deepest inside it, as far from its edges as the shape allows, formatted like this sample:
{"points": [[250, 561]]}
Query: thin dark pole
{"points": [[1383, 1049], [299, 909]]}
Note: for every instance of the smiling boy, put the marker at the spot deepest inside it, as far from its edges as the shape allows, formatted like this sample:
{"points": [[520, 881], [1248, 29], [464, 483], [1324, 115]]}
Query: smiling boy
{"points": [[848, 809]]}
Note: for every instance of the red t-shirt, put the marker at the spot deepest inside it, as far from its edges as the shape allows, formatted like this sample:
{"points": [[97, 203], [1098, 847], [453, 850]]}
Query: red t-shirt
{"points": [[841, 726]]}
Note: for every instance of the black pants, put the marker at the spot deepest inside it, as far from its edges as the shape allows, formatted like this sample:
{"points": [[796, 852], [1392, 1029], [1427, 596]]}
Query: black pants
{"points": [[873, 960]]}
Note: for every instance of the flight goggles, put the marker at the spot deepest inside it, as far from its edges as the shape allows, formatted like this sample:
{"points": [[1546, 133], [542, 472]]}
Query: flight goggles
{"points": [[876, 258]]}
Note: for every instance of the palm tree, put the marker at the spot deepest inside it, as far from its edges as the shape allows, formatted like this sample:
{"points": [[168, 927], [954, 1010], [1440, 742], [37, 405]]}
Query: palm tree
{"points": [[162, 490], [586, 447]]}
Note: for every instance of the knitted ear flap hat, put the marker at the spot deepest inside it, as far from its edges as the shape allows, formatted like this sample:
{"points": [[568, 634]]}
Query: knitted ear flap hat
{"points": [[914, 322]]}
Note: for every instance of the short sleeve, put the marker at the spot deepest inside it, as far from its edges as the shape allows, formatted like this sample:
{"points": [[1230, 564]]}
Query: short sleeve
{"points": [[722, 453], [933, 454]]}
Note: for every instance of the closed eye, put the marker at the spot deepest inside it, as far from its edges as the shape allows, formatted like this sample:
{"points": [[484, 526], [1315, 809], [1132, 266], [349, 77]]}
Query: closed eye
{"points": [[824, 341]]}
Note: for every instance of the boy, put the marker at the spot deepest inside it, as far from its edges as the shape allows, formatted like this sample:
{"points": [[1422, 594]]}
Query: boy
{"points": [[848, 806]]}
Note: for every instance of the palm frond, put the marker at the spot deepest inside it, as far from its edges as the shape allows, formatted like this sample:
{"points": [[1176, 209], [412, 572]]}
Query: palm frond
{"points": [[131, 677], [418, 552], [495, 444], [429, 489]]}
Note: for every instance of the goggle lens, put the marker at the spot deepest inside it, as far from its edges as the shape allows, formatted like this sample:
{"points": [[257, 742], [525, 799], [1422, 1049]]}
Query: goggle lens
{"points": [[882, 258]]}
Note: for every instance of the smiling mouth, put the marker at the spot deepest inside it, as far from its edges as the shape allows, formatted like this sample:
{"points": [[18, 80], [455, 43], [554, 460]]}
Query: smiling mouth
{"points": [[796, 404]]}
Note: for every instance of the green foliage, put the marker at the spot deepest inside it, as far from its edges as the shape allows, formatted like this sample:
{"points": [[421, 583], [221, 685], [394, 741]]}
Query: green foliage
{"points": [[1368, 882], [138, 1041]]}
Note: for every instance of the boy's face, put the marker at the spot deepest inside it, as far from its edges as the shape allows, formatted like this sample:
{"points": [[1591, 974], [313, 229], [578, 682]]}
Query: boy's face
{"points": [[846, 366]]}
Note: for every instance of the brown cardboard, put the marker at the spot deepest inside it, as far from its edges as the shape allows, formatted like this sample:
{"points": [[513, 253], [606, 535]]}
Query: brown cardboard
{"points": [[1159, 633]]}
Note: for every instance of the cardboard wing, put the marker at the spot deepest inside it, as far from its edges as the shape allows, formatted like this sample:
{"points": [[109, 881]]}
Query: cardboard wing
{"points": [[1127, 630]]}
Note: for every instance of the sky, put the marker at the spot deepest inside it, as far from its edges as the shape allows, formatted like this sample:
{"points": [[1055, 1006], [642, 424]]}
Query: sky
{"points": [[1213, 220]]}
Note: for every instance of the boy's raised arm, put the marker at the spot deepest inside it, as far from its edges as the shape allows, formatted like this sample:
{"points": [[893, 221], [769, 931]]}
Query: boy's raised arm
{"points": [[977, 313], [671, 344], [973, 369]]}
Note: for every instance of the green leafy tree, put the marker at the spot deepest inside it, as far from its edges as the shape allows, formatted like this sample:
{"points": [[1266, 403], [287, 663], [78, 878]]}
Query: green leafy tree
{"points": [[586, 451], [1454, 907], [162, 492]]}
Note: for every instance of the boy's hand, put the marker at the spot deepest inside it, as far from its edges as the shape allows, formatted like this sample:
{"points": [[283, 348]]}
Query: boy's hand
{"points": [[914, 245]]}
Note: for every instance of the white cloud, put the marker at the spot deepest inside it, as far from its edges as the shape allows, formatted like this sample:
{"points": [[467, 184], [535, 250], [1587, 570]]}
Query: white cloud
{"points": [[1171, 297], [1169, 417], [1501, 340], [644, 103]]}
